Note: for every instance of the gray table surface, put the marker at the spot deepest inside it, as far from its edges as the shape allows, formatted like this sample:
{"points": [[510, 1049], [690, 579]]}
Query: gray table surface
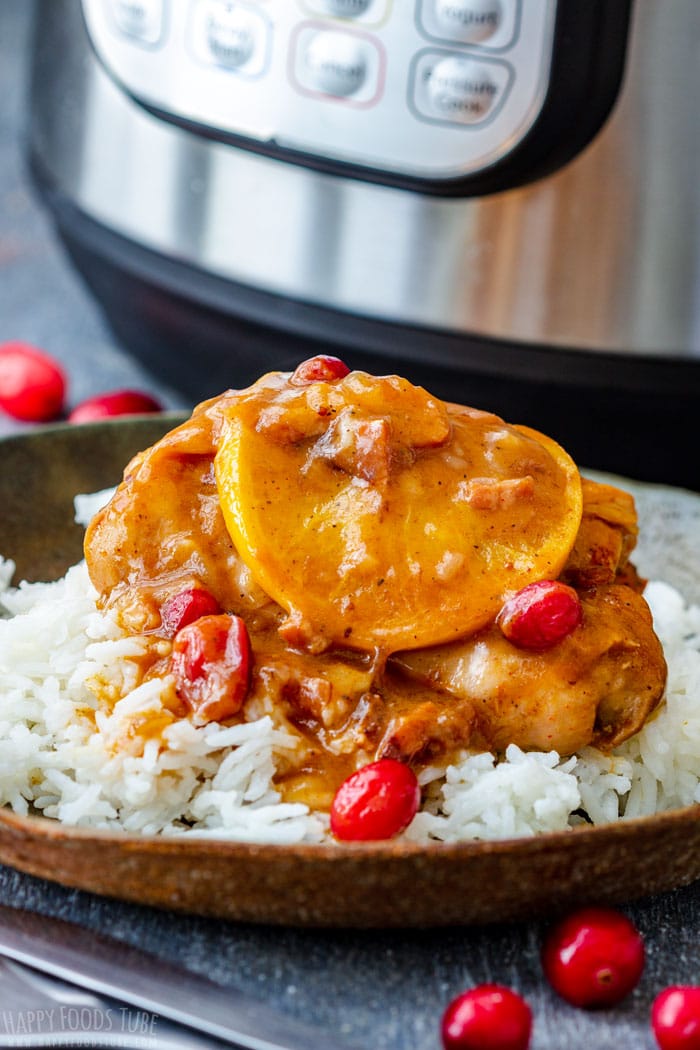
{"points": [[387, 989]]}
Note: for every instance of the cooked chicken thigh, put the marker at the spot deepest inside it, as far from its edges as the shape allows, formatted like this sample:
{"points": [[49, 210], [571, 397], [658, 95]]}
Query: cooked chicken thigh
{"points": [[368, 535], [597, 686]]}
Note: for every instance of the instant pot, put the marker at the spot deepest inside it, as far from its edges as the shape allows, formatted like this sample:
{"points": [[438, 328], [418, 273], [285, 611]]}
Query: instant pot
{"points": [[498, 198]]}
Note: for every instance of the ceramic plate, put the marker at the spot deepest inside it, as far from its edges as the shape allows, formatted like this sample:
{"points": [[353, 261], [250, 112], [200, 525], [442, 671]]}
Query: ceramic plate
{"points": [[373, 884]]}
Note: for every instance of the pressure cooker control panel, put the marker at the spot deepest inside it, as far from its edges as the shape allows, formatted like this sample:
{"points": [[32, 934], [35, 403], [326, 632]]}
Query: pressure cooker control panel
{"points": [[420, 91]]}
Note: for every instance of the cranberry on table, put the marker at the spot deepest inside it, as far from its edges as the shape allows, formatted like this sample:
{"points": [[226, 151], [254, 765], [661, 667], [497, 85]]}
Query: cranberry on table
{"points": [[675, 1018], [186, 607], [211, 662], [32, 384], [540, 615], [323, 368], [488, 1017], [114, 403], [376, 802], [594, 957]]}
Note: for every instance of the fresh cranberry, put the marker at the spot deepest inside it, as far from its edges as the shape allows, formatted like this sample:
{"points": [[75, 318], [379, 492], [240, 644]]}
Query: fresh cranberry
{"points": [[186, 607], [488, 1017], [321, 369], [32, 384], [675, 1018], [114, 403], [211, 662], [376, 802], [540, 615], [594, 957]]}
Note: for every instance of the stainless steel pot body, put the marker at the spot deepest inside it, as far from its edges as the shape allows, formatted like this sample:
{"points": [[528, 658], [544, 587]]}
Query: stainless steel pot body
{"points": [[602, 255]]}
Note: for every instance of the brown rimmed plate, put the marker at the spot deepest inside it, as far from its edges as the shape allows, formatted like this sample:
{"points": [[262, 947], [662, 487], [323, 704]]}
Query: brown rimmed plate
{"points": [[384, 884]]}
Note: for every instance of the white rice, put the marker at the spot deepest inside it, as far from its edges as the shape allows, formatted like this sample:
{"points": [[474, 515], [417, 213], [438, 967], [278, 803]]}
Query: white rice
{"points": [[63, 755]]}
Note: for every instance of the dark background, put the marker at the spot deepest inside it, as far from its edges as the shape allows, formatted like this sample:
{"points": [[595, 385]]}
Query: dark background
{"points": [[42, 300]]}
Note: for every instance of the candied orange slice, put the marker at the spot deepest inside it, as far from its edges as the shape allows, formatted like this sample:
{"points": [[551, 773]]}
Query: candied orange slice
{"points": [[381, 518]]}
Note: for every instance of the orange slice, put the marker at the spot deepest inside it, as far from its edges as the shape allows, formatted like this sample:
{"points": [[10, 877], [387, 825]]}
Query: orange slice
{"points": [[381, 518]]}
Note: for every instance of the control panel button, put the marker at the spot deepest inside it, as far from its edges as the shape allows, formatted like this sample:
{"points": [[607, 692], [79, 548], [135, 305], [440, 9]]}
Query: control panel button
{"points": [[341, 8], [231, 35], [337, 64], [368, 12], [486, 23], [469, 20], [140, 19], [457, 89]]}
